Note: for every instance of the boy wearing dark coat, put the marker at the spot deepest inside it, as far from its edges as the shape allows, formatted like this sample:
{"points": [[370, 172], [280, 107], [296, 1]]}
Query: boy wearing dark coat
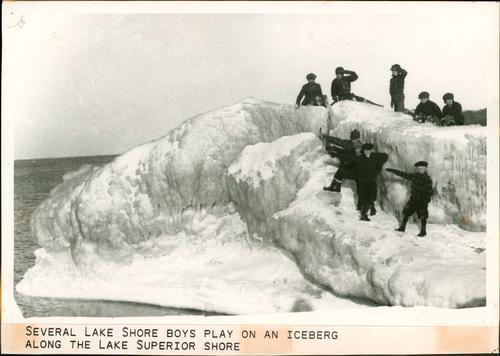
{"points": [[341, 85], [309, 92], [452, 111], [337, 144], [368, 165], [343, 150], [427, 110], [346, 151], [396, 88], [421, 193]]}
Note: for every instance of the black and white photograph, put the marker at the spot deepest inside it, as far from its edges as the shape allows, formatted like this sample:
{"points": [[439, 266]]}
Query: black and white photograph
{"points": [[221, 162]]}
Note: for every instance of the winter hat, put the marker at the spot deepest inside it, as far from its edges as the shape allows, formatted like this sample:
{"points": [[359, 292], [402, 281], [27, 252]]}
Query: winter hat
{"points": [[421, 164], [448, 96], [367, 146], [357, 144], [339, 70], [423, 95], [355, 135], [396, 67], [311, 76]]}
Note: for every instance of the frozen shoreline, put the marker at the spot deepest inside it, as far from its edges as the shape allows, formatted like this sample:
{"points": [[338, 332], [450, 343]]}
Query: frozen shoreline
{"points": [[225, 273], [226, 213]]}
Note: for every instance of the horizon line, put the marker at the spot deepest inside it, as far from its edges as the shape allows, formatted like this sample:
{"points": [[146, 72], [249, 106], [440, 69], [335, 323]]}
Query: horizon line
{"points": [[60, 157]]}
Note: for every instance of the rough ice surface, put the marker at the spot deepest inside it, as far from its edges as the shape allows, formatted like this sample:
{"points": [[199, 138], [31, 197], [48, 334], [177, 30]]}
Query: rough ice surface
{"points": [[212, 265], [353, 258], [148, 190], [456, 156], [227, 213]]}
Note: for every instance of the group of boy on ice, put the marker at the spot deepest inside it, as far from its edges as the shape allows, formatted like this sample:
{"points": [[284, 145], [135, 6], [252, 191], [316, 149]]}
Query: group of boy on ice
{"points": [[360, 163], [426, 110]]}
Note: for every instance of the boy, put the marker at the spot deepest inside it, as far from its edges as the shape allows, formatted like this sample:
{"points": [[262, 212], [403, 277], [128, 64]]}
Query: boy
{"points": [[452, 111], [421, 193], [341, 85], [427, 110], [396, 88], [309, 91], [366, 167]]}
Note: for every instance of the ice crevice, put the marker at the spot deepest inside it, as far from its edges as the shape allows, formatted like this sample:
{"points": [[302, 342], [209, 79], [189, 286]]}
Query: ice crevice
{"points": [[228, 212]]}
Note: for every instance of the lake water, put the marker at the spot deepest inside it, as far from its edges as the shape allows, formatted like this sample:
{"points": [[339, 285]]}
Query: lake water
{"points": [[33, 181]]}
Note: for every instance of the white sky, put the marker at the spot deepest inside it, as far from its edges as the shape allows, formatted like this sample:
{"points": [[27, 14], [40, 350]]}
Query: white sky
{"points": [[101, 83]]}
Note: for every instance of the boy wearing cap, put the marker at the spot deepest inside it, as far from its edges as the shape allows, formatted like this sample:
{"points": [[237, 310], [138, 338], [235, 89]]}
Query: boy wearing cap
{"points": [[452, 111], [421, 193], [341, 85], [368, 165], [309, 91], [345, 170], [336, 144], [396, 88], [427, 110]]}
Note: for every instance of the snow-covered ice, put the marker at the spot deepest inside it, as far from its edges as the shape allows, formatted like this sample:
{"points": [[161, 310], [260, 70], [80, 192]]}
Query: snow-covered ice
{"points": [[227, 213], [353, 258], [213, 265], [144, 192]]}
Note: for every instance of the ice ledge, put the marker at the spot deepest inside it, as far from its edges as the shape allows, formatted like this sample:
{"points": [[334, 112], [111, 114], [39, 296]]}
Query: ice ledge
{"points": [[332, 247]]}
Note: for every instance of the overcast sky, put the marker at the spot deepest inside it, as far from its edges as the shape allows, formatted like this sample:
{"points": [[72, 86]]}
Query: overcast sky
{"points": [[100, 84]]}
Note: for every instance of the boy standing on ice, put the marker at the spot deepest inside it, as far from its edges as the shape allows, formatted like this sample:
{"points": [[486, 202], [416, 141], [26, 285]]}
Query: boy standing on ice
{"points": [[396, 88], [421, 193], [368, 165]]}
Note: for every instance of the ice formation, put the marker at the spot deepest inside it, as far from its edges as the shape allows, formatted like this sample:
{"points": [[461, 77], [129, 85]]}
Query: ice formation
{"points": [[149, 190], [353, 258], [227, 212]]}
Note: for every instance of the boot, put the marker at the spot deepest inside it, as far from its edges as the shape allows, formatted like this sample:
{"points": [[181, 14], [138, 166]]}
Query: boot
{"points": [[373, 211], [364, 213], [334, 187], [402, 227], [423, 224]]}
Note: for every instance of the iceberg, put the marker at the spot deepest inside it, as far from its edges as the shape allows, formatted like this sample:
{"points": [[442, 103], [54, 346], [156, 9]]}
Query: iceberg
{"points": [[332, 247], [227, 213]]}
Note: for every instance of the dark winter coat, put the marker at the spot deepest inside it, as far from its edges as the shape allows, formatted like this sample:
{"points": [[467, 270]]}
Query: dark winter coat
{"points": [[346, 169], [340, 143], [309, 92], [428, 108], [454, 110], [341, 88], [421, 185], [367, 168], [397, 84]]}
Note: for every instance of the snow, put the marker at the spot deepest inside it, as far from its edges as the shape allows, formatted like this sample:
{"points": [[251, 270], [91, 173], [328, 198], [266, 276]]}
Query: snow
{"points": [[227, 213], [260, 159], [213, 267]]}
